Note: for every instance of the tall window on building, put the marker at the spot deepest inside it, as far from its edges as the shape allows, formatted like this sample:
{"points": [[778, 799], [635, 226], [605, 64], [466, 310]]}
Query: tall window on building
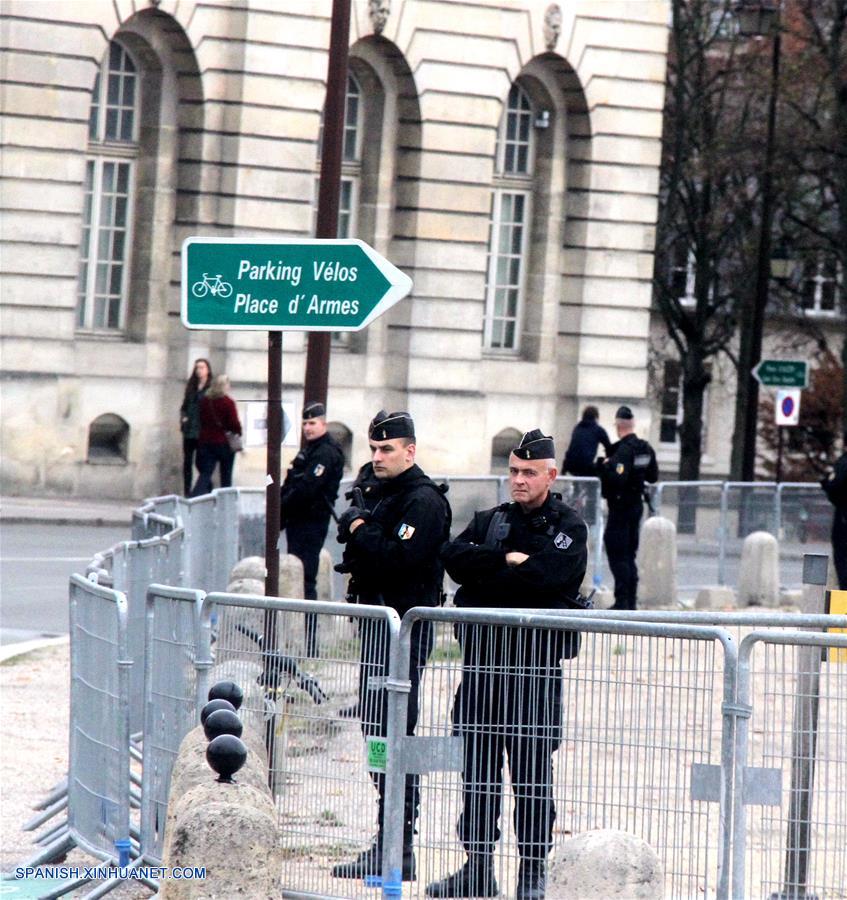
{"points": [[109, 181], [351, 160], [351, 171], [510, 221], [671, 405], [681, 273], [820, 285]]}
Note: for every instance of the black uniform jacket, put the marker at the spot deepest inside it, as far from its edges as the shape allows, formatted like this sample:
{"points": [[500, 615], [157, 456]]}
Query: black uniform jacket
{"points": [[555, 539], [579, 458], [631, 462], [311, 484], [393, 556]]}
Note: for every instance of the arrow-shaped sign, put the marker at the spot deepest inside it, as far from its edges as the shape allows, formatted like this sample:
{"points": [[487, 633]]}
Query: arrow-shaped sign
{"points": [[783, 373], [278, 285]]}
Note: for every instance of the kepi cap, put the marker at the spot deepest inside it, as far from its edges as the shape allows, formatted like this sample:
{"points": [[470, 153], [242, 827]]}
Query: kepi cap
{"points": [[314, 410], [535, 445], [386, 426], [624, 412]]}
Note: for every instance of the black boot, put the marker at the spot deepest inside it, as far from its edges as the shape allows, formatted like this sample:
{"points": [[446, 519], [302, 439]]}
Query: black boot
{"points": [[531, 880], [369, 863], [474, 879]]}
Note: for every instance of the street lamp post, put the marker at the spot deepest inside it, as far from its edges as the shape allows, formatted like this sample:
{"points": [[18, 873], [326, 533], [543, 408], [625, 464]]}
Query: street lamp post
{"points": [[756, 18]]}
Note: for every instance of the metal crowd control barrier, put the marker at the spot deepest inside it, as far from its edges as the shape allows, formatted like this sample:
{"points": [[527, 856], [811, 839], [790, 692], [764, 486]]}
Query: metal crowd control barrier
{"points": [[99, 751], [647, 708], [173, 682], [317, 769], [793, 842]]}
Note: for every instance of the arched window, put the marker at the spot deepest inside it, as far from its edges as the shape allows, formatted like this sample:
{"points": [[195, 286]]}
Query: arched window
{"points": [[351, 173], [501, 446], [109, 186], [108, 439], [351, 160], [510, 221], [342, 434]]}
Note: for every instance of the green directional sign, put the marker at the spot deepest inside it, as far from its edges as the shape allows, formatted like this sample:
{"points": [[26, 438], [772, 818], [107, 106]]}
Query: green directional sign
{"points": [[278, 285], [782, 373]]}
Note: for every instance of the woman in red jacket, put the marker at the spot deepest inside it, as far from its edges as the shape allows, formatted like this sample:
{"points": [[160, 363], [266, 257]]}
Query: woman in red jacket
{"points": [[218, 416]]}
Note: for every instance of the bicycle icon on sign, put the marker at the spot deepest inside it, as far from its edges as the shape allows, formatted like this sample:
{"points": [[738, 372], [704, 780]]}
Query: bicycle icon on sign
{"points": [[216, 286]]}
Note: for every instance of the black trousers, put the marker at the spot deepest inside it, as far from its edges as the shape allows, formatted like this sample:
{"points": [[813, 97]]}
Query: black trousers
{"points": [[373, 705], [209, 456], [519, 716], [621, 541], [305, 540], [189, 448], [839, 546]]}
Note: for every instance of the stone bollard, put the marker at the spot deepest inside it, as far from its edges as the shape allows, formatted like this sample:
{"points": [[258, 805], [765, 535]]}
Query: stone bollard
{"points": [[657, 564], [190, 766], [249, 567], [604, 598], [601, 865], [290, 577], [231, 830], [251, 618], [325, 570], [758, 581], [715, 597]]}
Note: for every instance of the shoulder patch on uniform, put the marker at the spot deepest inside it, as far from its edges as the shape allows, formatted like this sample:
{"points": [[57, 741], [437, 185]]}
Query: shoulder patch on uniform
{"points": [[619, 468], [562, 541], [404, 532], [319, 469]]}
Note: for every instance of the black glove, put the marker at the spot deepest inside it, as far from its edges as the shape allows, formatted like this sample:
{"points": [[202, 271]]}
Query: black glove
{"points": [[346, 519]]}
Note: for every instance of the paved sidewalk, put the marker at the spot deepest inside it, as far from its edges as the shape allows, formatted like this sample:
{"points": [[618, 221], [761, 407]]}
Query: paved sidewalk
{"points": [[66, 511]]}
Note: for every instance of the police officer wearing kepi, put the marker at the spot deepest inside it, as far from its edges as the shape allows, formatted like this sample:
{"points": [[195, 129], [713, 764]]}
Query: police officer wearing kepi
{"points": [[530, 553], [307, 501], [630, 464], [392, 539], [835, 487]]}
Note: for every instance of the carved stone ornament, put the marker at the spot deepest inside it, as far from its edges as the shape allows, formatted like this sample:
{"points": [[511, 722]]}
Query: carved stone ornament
{"points": [[552, 25], [379, 11]]}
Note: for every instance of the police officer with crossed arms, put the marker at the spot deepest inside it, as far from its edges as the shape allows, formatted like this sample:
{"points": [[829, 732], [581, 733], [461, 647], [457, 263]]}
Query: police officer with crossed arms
{"points": [[392, 536], [530, 553], [307, 499]]}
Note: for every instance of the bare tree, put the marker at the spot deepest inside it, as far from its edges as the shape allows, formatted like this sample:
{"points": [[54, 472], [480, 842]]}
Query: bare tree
{"points": [[813, 148], [707, 192]]}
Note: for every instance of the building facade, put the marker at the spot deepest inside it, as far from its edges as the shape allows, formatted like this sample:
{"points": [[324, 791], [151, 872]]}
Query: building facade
{"points": [[504, 153]]}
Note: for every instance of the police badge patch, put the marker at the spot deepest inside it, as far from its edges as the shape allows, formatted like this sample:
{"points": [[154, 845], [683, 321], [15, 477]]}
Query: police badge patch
{"points": [[619, 468], [319, 469], [404, 532], [562, 541]]}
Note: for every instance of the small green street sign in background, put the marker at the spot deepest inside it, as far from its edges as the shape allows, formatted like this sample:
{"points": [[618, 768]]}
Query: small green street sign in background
{"points": [[279, 285], [783, 373]]}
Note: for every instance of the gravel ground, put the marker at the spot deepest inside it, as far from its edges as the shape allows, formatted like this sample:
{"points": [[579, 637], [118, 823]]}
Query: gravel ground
{"points": [[34, 692]]}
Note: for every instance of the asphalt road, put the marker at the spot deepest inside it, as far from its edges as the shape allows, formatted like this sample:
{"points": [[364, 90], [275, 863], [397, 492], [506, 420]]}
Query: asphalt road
{"points": [[35, 563]]}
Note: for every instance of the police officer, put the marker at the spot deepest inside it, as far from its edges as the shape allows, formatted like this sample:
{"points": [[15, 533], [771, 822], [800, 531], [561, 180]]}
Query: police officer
{"points": [[307, 500], [392, 538], [529, 553], [835, 486], [631, 463]]}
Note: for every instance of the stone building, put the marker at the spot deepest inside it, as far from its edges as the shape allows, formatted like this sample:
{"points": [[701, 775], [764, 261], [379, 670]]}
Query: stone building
{"points": [[503, 153]]}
